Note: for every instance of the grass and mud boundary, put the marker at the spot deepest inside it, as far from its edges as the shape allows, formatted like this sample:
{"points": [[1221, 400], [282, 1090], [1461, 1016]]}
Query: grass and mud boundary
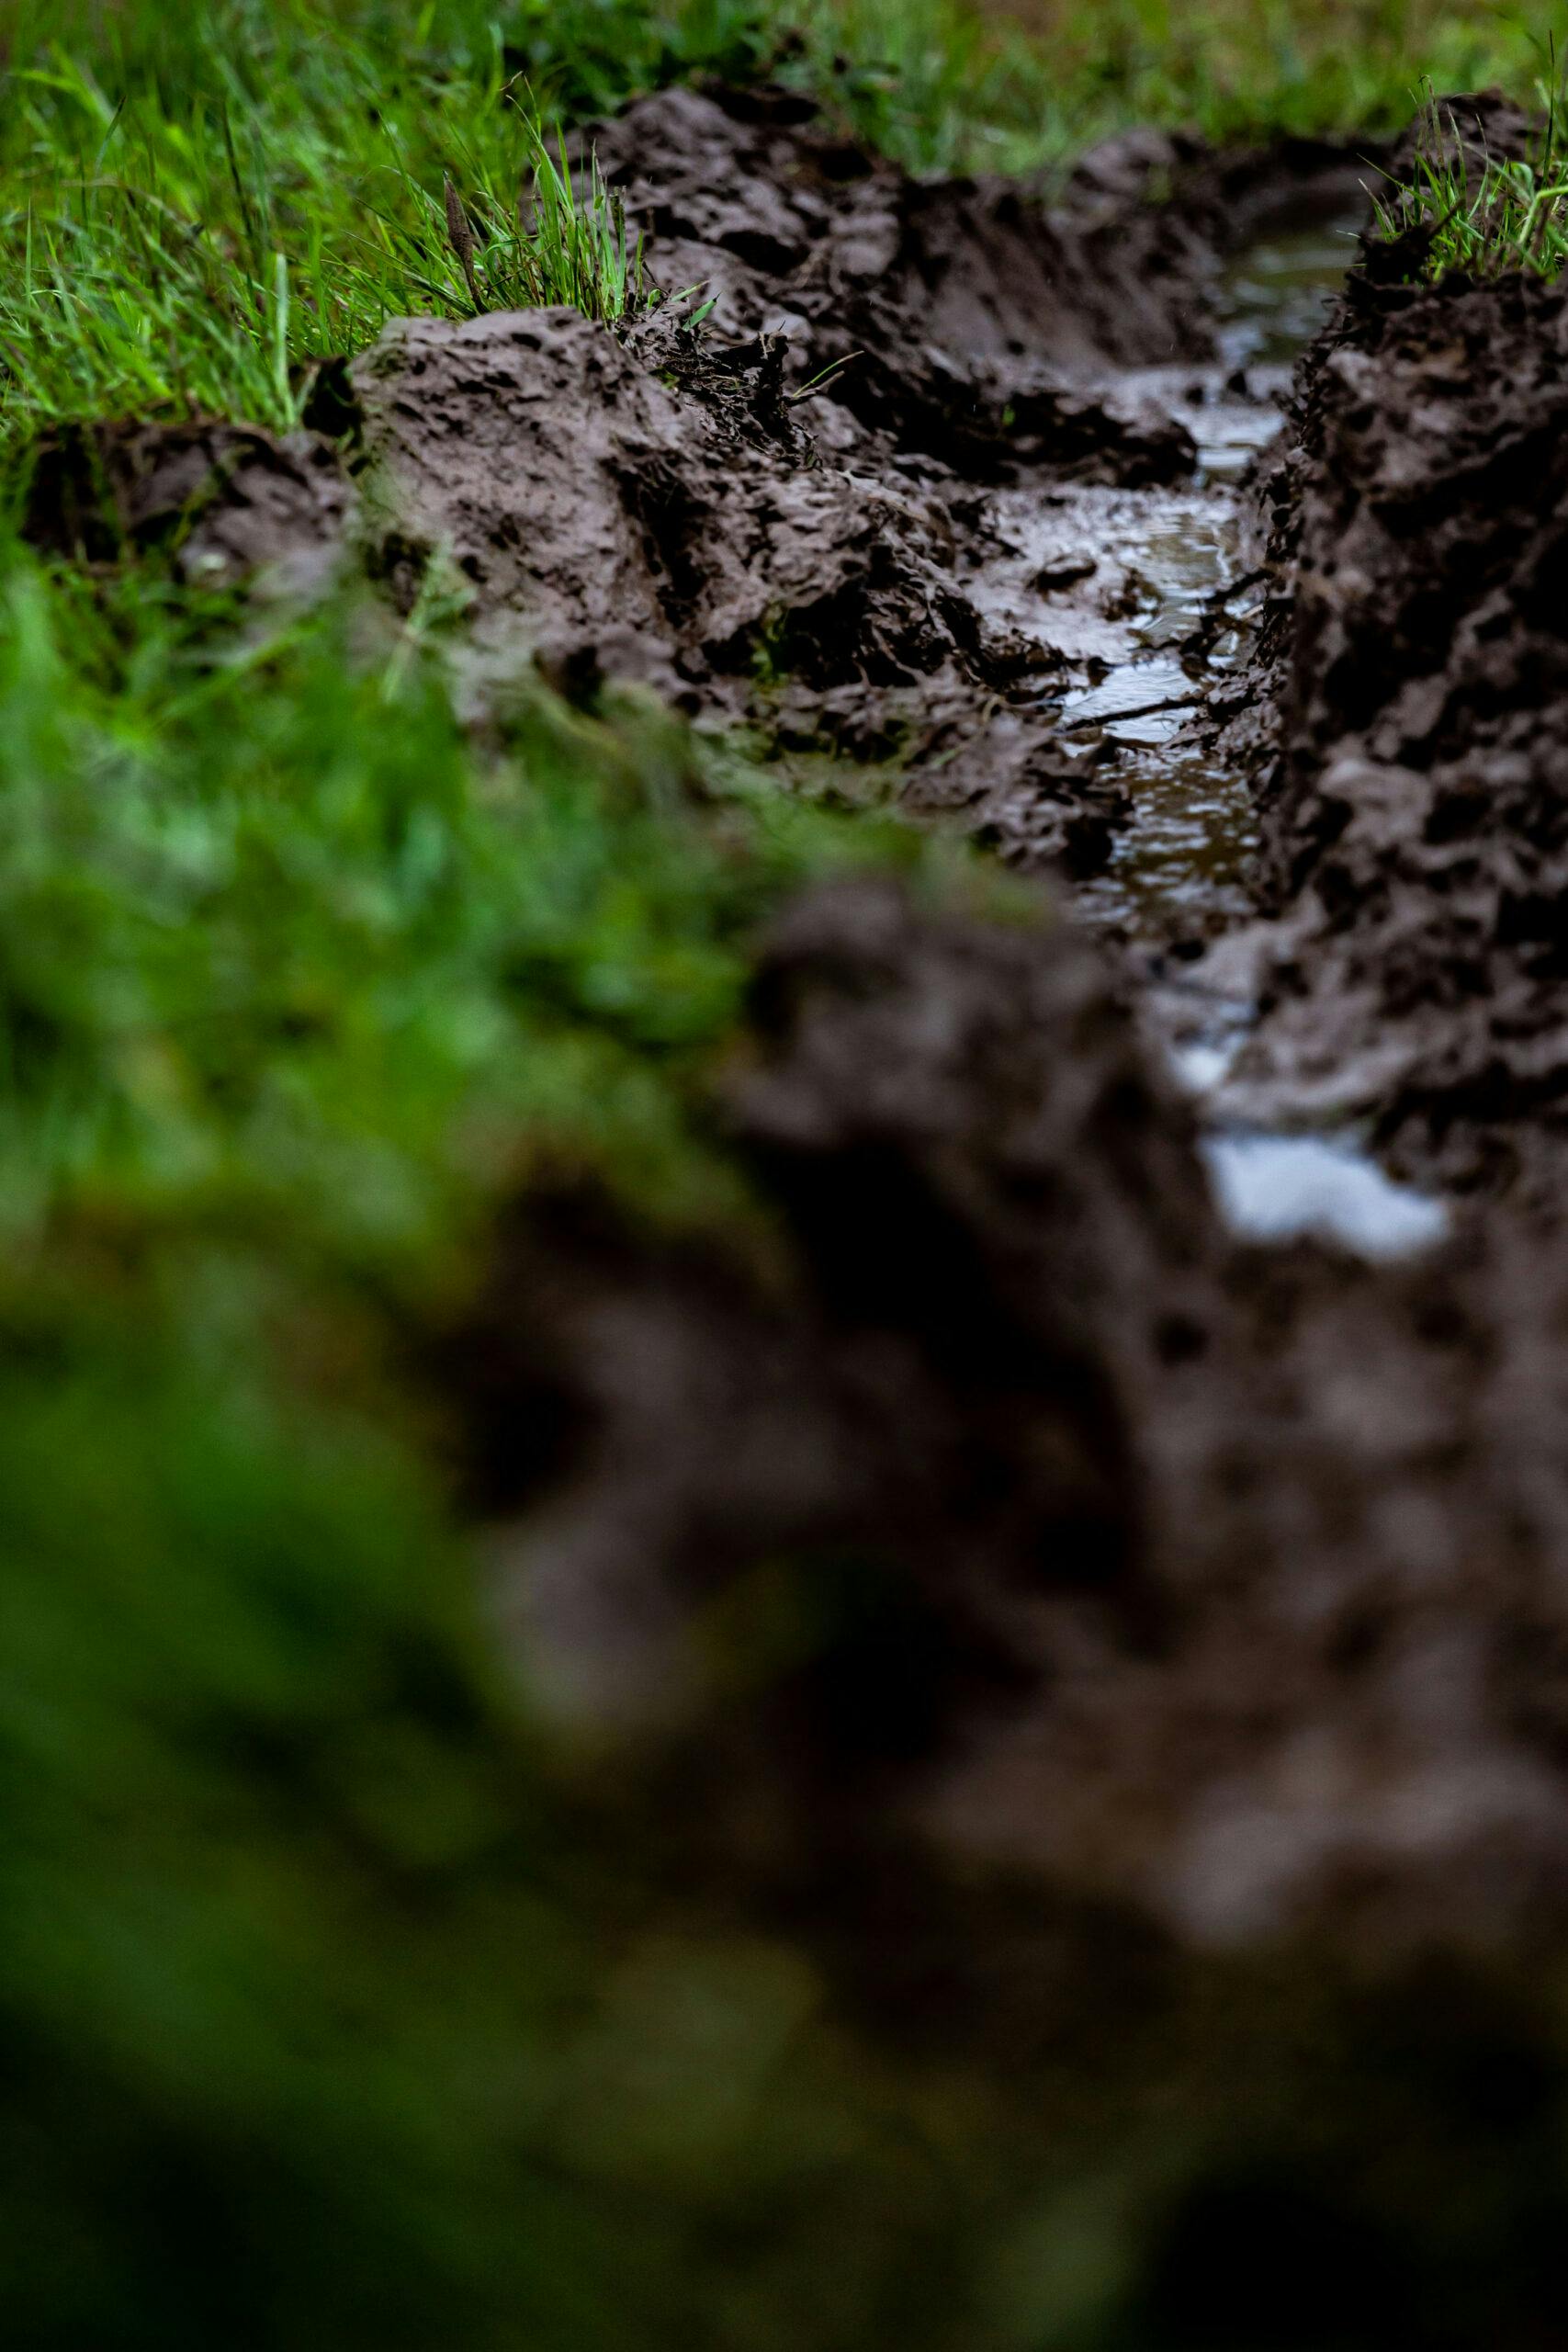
{"points": [[411, 1111]]}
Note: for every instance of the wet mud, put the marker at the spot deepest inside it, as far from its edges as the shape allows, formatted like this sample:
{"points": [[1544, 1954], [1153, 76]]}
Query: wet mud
{"points": [[1012, 1556], [799, 520], [231, 504], [1049, 1608], [1228, 1547], [1200, 1579], [1128, 1670]]}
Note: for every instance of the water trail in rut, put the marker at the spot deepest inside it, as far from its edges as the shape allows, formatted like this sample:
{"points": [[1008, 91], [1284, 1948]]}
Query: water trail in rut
{"points": [[1186, 854], [1174, 609]]}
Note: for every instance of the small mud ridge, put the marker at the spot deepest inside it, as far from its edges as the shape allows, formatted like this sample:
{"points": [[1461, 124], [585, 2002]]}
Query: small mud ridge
{"points": [[1128, 1513]]}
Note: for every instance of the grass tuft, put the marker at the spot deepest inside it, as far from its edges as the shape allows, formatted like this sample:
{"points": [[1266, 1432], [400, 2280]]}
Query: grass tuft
{"points": [[562, 240], [178, 269], [1482, 216]]}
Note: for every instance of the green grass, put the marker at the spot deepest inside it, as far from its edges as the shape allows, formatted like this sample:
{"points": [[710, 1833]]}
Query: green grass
{"points": [[559, 237], [298, 989], [275, 936], [194, 208], [204, 258], [1482, 216]]}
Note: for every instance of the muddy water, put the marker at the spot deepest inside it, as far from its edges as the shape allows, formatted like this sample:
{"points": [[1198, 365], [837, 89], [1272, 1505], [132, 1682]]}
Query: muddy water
{"points": [[1165, 610], [1183, 862]]}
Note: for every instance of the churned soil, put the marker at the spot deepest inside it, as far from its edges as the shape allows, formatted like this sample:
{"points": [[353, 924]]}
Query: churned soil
{"points": [[1221, 1582], [1416, 828], [723, 517], [229, 503], [1131, 1670], [1126, 1566]]}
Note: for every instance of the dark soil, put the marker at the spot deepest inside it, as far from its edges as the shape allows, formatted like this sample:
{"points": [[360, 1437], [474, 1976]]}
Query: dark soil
{"points": [[229, 500], [666, 507], [970, 307], [1175, 1667], [1131, 1668], [1220, 1566], [1416, 833], [1198, 1578]]}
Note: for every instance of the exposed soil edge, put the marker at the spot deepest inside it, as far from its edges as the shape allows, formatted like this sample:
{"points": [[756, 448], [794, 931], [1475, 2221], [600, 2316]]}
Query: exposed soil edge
{"points": [[1413, 840]]}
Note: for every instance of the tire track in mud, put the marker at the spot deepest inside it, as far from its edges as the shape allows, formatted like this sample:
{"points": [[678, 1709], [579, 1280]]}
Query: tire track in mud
{"points": [[997, 568]]}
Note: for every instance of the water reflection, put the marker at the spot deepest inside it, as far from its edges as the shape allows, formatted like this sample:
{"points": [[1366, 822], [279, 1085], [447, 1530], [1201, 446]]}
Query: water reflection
{"points": [[1184, 859], [1281, 1188]]}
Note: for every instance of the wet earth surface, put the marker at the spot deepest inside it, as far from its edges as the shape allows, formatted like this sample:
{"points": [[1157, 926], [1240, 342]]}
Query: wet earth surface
{"points": [[1153, 1419], [1224, 1553]]}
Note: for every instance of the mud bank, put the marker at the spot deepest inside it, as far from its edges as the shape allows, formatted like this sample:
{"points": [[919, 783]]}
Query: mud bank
{"points": [[898, 503], [1074, 1630], [1224, 1560], [234, 504], [848, 515], [1414, 832], [1212, 1574], [1128, 1665], [807, 554], [1126, 1671]]}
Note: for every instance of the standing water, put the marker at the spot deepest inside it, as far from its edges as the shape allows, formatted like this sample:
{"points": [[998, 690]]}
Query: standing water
{"points": [[1187, 852], [1170, 609]]}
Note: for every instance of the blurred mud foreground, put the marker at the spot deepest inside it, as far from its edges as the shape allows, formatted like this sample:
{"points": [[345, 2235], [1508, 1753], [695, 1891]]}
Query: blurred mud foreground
{"points": [[1084, 1695]]}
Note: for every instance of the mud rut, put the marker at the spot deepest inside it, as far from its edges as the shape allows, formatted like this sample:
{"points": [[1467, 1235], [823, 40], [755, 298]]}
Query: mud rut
{"points": [[1218, 1582], [1205, 1595], [1175, 607]]}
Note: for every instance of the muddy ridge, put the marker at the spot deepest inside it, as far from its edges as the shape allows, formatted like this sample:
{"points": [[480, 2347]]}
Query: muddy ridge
{"points": [[761, 539], [1215, 1575], [842, 515], [1235, 1571]]}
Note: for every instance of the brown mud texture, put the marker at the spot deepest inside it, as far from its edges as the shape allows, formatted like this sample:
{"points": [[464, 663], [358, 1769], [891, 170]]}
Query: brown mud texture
{"points": [[1127, 1670], [1416, 819], [779, 521]]}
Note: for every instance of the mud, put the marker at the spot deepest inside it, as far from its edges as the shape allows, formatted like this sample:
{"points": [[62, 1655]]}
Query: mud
{"points": [[1009, 1568], [885, 564], [1202, 1578], [231, 504], [998, 526], [818, 557], [600, 529], [1219, 1585], [1413, 827], [975, 313]]}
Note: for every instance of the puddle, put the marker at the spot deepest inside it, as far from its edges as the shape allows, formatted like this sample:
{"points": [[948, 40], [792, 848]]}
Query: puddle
{"points": [[1283, 1188], [1153, 605], [1140, 703], [1171, 568]]}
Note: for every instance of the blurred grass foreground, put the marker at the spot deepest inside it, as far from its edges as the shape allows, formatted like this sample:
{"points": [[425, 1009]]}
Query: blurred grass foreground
{"points": [[336, 2014]]}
